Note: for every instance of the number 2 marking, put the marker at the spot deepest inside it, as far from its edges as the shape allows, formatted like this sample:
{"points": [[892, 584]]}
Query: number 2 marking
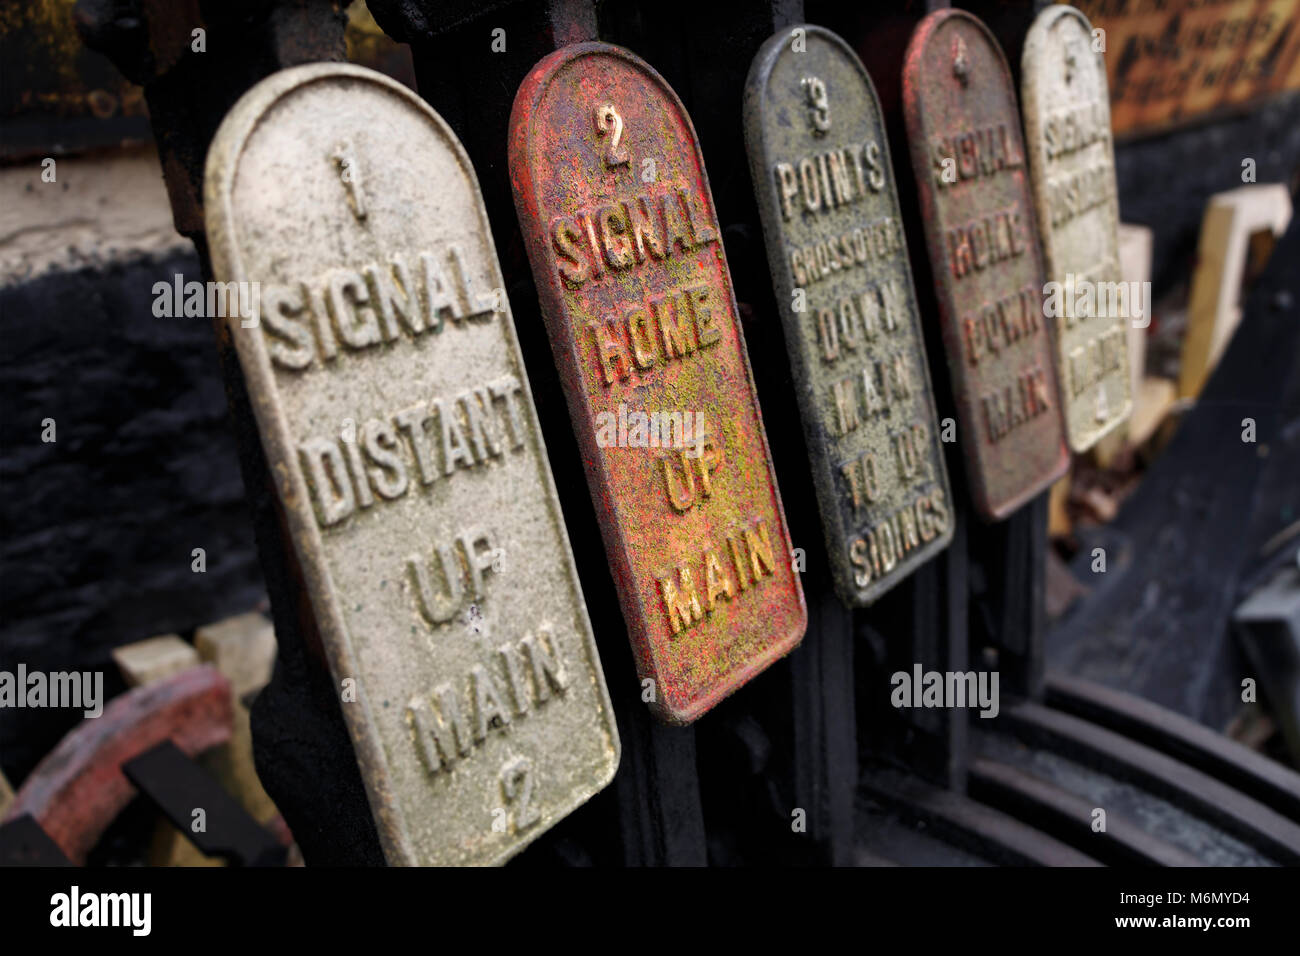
{"points": [[605, 115], [517, 786]]}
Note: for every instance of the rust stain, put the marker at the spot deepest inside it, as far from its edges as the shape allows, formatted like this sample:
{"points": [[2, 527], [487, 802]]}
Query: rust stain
{"points": [[625, 246]]}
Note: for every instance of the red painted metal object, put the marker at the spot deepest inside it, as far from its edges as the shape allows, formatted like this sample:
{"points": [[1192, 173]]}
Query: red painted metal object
{"points": [[627, 254], [77, 790], [963, 131]]}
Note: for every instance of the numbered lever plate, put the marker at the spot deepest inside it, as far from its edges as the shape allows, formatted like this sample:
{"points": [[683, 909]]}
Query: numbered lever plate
{"points": [[1072, 173], [395, 413], [963, 131], [825, 188], [627, 255]]}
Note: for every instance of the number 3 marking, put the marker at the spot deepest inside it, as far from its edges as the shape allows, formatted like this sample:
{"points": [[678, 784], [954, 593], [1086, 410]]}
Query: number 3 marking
{"points": [[819, 106]]}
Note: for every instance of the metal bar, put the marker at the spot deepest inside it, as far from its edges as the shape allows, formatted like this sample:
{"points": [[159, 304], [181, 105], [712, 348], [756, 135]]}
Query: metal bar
{"points": [[822, 685], [1008, 611], [926, 620], [1068, 817], [24, 843], [198, 807], [1185, 786], [1255, 775], [923, 621], [659, 797], [972, 825], [825, 744]]}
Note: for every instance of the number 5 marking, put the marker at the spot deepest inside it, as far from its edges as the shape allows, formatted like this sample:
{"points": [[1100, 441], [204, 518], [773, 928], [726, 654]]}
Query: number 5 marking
{"points": [[605, 115]]}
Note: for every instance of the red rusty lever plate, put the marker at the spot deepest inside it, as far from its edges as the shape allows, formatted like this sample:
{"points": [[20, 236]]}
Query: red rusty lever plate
{"points": [[963, 131], [627, 254]]}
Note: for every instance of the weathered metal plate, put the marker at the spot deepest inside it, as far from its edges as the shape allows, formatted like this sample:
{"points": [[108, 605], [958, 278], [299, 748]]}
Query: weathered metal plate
{"points": [[395, 413], [627, 254], [825, 187], [963, 132], [1072, 175]]}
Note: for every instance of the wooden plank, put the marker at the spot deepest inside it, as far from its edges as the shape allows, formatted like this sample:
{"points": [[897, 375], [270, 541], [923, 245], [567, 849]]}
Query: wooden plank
{"points": [[154, 658], [1231, 219], [1135, 248], [243, 648]]}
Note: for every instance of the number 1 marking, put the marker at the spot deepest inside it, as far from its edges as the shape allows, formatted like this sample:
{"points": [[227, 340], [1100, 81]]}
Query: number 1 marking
{"points": [[345, 159]]}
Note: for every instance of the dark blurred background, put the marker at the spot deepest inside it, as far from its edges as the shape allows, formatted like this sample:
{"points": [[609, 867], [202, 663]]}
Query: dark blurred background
{"points": [[98, 528]]}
